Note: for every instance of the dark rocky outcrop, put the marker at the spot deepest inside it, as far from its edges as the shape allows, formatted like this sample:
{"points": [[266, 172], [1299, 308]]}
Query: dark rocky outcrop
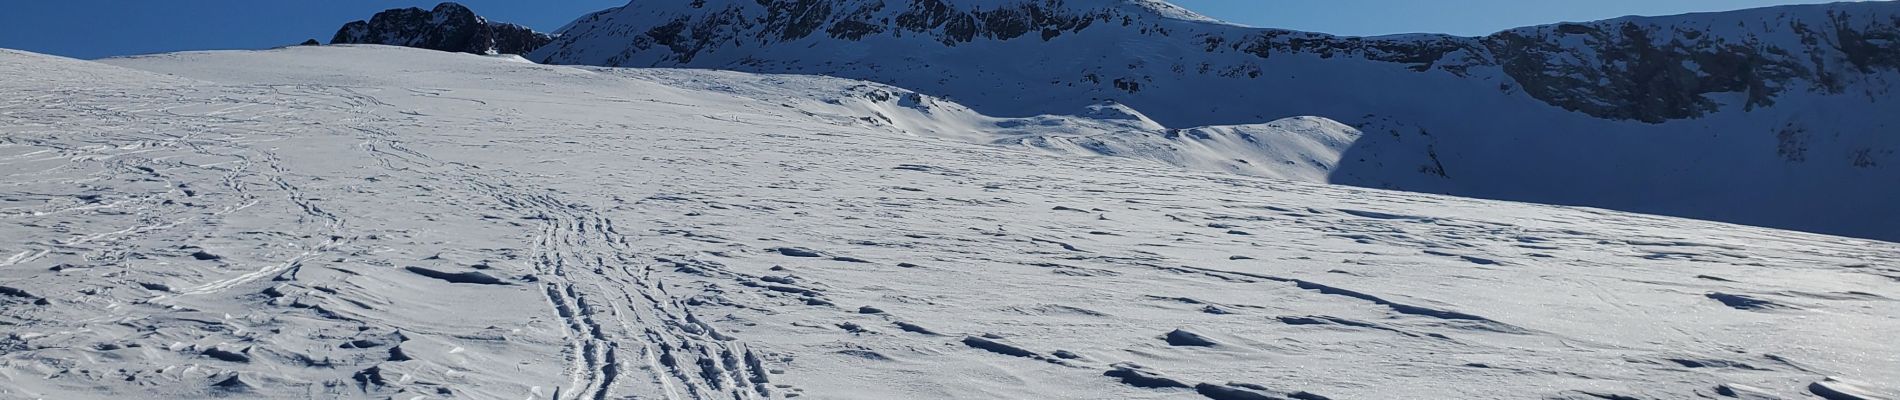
{"points": [[1654, 73], [1585, 113], [448, 27]]}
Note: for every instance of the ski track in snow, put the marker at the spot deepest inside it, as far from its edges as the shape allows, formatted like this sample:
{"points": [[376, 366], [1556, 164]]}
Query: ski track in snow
{"points": [[375, 222]]}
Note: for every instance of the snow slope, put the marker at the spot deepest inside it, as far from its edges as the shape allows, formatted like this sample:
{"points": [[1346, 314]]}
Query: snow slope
{"points": [[380, 222], [1776, 116], [1298, 148]]}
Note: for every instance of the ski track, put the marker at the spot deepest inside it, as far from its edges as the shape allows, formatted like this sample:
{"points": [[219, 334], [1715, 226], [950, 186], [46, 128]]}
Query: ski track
{"points": [[583, 234]]}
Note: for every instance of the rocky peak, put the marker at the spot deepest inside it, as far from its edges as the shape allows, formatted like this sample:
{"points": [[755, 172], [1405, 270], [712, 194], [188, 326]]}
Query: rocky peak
{"points": [[447, 27]]}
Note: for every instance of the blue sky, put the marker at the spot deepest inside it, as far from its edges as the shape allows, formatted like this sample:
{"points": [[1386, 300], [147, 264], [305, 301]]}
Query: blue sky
{"points": [[100, 28]]}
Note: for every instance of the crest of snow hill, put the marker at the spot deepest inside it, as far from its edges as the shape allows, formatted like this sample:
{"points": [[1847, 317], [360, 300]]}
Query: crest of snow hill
{"points": [[448, 27], [1771, 116]]}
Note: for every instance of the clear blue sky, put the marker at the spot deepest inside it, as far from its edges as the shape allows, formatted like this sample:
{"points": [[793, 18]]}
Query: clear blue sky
{"points": [[100, 28]]}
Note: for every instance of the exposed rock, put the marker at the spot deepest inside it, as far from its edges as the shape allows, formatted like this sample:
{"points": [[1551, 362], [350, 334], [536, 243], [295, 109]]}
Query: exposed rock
{"points": [[448, 27]]}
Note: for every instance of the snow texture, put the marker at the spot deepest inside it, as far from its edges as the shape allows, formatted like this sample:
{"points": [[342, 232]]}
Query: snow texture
{"points": [[383, 222]]}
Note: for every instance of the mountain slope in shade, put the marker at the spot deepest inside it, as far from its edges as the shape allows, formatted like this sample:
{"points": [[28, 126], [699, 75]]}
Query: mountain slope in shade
{"points": [[447, 27], [374, 222], [1774, 116]]}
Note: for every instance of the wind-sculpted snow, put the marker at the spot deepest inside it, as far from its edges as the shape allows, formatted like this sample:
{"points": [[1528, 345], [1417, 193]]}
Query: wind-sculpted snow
{"points": [[1298, 148], [379, 222]]}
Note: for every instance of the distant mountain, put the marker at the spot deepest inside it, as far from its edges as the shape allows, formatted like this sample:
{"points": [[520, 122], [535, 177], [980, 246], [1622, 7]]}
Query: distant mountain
{"points": [[448, 27], [1775, 116]]}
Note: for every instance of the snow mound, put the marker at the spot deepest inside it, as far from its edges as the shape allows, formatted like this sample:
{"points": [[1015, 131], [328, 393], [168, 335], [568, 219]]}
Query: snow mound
{"points": [[1112, 111], [1300, 148]]}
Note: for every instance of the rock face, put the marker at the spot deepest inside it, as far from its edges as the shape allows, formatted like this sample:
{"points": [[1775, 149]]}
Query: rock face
{"points": [[1655, 70], [1734, 116], [448, 27]]}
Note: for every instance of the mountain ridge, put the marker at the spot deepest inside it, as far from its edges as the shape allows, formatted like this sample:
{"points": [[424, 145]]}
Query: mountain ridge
{"points": [[687, 36]]}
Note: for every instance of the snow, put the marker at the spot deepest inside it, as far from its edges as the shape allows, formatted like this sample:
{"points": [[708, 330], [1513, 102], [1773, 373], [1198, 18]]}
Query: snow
{"points": [[1299, 148], [379, 222], [1458, 125]]}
